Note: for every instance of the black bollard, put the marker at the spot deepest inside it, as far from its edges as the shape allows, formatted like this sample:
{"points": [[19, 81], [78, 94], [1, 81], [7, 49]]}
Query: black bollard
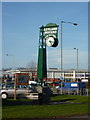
{"points": [[40, 98]]}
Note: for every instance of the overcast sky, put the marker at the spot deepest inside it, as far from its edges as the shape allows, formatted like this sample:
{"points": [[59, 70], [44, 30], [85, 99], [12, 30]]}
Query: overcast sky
{"points": [[20, 32]]}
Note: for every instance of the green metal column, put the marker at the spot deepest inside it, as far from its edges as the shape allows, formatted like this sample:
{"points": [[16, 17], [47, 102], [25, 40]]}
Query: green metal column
{"points": [[42, 64]]}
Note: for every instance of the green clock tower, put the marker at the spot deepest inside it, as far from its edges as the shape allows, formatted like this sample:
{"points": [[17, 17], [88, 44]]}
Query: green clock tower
{"points": [[48, 36]]}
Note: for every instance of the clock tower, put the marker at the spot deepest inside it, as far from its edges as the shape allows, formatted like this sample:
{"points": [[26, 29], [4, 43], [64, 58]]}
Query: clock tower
{"points": [[48, 36]]}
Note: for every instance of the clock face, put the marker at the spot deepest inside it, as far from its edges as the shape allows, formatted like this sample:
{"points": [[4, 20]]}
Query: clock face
{"points": [[50, 41]]}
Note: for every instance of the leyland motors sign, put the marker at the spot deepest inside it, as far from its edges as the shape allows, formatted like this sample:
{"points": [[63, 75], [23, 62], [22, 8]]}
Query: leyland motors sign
{"points": [[51, 29], [50, 32]]}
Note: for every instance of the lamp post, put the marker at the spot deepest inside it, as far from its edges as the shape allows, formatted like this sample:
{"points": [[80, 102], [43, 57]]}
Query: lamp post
{"points": [[15, 78], [61, 42], [77, 58], [61, 47], [13, 59]]}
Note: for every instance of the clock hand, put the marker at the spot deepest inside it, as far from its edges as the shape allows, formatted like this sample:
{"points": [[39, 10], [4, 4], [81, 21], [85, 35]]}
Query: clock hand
{"points": [[51, 42]]}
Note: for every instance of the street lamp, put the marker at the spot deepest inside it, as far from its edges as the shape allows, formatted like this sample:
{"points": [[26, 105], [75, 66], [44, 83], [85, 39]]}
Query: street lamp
{"points": [[14, 78], [77, 57], [61, 42], [13, 59], [61, 46]]}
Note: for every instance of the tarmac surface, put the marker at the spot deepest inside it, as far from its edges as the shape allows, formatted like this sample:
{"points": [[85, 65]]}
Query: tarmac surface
{"points": [[77, 117]]}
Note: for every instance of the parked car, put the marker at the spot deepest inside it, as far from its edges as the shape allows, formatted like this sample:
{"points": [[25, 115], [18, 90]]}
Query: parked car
{"points": [[21, 90]]}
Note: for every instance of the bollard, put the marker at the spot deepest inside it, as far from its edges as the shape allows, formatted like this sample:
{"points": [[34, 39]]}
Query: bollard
{"points": [[77, 91], [68, 92], [87, 91], [40, 98]]}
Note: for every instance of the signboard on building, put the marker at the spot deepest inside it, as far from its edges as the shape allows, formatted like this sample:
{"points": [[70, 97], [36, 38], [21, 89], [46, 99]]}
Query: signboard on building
{"points": [[84, 80]]}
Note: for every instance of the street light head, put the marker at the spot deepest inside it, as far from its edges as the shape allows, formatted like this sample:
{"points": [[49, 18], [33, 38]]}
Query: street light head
{"points": [[62, 21], [6, 54], [69, 22], [76, 49], [75, 24]]}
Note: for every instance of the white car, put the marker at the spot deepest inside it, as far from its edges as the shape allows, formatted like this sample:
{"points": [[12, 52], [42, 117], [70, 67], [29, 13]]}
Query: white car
{"points": [[21, 91]]}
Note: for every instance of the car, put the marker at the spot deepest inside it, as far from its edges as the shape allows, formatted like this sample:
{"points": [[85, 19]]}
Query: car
{"points": [[21, 91]]}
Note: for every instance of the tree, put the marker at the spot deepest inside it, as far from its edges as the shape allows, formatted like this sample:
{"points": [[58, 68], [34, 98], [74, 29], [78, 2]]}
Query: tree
{"points": [[31, 66]]}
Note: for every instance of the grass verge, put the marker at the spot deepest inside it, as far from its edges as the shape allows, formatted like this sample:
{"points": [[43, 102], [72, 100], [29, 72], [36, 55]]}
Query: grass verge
{"points": [[47, 111]]}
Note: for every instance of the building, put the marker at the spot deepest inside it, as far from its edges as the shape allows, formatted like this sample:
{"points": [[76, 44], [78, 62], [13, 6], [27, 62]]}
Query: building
{"points": [[53, 74]]}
